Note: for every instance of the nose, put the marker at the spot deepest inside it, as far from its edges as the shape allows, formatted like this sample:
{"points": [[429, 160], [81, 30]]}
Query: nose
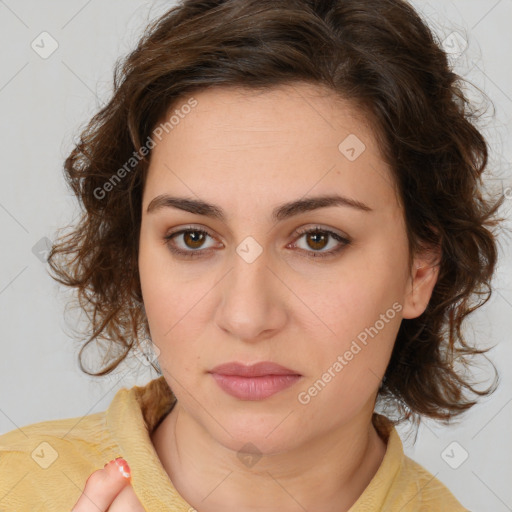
{"points": [[253, 299]]}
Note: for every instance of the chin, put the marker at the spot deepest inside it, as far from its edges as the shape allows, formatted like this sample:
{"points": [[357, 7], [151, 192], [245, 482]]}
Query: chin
{"points": [[258, 443], [269, 433]]}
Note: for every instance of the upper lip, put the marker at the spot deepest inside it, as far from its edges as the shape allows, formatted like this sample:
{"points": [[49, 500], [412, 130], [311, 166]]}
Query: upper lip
{"points": [[254, 370]]}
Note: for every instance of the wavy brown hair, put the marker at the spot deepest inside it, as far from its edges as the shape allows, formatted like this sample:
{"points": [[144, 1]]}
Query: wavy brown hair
{"points": [[380, 55]]}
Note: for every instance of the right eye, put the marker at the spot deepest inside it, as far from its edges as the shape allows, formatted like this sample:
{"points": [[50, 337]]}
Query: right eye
{"points": [[192, 239]]}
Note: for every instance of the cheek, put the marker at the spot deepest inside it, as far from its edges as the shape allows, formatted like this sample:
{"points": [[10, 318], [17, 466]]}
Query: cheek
{"points": [[361, 308], [171, 309], [348, 364], [174, 305], [354, 299], [159, 293], [165, 297]]}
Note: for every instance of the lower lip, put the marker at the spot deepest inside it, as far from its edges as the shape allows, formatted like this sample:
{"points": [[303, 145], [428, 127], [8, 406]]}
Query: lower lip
{"points": [[254, 388]]}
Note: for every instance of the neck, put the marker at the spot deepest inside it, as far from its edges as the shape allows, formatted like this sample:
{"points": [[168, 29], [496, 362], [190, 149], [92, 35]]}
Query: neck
{"points": [[326, 474]]}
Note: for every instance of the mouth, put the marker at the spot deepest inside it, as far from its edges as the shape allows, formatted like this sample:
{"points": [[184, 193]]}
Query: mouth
{"points": [[254, 382]]}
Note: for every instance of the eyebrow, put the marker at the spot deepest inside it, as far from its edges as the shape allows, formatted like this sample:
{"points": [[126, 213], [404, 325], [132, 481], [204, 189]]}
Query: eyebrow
{"points": [[281, 212]]}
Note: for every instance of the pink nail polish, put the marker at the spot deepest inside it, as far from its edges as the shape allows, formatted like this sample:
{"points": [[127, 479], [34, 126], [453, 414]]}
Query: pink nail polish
{"points": [[123, 467]]}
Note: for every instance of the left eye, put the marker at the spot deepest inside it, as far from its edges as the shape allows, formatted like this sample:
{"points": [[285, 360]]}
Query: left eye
{"points": [[317, 239]]}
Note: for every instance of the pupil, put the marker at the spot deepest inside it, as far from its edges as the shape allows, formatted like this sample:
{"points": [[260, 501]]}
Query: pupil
{"points": [[198, 236], [318, 238]]}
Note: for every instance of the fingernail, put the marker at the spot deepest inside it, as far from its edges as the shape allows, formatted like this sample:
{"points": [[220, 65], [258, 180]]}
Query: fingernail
{"points": [[123, 467]]}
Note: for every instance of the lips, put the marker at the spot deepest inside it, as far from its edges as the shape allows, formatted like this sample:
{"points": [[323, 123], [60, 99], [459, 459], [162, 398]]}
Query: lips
{"points": [[255, 370], [255, 382]]}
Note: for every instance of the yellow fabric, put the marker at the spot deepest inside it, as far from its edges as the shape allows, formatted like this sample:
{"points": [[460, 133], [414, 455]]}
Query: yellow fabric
{"points": [[44, 466]]}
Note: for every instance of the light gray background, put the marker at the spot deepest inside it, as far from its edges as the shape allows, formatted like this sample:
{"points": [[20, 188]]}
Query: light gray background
{"points": [[44, 102]]}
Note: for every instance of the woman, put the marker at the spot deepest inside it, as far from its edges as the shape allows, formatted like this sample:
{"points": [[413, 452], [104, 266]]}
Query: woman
{"points": [[285, 198]]}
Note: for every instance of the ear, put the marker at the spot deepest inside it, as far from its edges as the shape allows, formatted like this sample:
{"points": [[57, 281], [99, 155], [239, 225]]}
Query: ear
{"points": [[423, 277]]}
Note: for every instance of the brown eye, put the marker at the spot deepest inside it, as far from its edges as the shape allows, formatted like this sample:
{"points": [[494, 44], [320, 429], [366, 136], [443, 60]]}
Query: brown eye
{"points": [[194, 239], [318, 239], [188, 243]]}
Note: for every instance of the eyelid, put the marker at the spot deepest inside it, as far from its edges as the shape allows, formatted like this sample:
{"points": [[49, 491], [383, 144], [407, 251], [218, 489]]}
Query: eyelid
{"points": [[190, 227], [319, 227]]}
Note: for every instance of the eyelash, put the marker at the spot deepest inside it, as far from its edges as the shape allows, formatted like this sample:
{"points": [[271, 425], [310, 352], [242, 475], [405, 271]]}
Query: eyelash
{"points": [[312, 254]]}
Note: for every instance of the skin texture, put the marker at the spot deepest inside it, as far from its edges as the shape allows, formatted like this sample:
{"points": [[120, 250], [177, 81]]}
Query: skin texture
{"points": [[108, 489], [248, 152]]}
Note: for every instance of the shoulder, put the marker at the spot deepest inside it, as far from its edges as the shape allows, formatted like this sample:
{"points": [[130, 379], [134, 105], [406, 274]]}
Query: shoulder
{"points": [[418, 489], [403, 484], [50, 461]]}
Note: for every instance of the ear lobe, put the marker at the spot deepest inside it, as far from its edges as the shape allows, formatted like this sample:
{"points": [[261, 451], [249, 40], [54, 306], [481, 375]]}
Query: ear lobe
{"points": [[423, 278]]}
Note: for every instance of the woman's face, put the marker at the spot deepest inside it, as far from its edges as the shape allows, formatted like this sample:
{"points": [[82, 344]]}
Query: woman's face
{"points": [[254, 287]]}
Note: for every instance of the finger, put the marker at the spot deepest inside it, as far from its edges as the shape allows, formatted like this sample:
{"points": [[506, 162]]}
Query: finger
{"points": [[103, 486], [126, 501]]}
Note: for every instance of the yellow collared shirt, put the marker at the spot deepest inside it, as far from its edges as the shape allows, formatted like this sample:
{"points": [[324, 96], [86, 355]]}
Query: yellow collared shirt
{"points": [[44, 466]]}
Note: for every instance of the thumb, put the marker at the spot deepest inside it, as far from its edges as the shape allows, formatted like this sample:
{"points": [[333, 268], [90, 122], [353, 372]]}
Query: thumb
{"points": [[103, 486]]}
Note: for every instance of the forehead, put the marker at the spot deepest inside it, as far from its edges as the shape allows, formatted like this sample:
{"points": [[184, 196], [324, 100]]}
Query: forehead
{"points": [[294, 139], [311, 112]]}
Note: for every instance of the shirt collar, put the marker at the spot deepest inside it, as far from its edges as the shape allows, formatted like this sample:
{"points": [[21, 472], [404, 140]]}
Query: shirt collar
{"points": [[131, 417]]}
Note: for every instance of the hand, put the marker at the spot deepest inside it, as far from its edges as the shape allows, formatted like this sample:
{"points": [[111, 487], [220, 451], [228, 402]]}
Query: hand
{"points": [[109, 489]]}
